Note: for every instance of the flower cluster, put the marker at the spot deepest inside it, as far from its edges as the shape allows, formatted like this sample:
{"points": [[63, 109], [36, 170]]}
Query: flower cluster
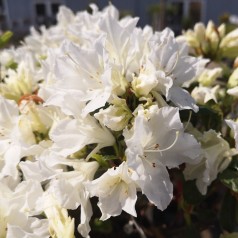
{"points": [[91, 107]]}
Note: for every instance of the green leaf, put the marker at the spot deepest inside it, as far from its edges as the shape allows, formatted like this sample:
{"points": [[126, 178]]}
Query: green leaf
{"points": [[100, 159], [12, 65], [103, 159], [102, 226], [229, 177], [209, 116], [5, 37]]}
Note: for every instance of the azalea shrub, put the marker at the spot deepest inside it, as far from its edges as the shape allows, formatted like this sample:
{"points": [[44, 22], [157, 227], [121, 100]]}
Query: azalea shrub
{"points": [[112, 130]]}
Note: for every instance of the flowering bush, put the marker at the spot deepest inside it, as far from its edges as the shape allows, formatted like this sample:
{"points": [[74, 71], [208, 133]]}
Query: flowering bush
{"points": [[97, 107]]}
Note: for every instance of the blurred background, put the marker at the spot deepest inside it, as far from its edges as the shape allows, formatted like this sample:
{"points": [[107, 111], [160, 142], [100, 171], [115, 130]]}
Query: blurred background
{"points": [[19, 15]]}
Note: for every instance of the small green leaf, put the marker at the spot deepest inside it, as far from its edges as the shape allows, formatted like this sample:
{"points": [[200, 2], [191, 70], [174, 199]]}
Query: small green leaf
{"points": [[102, 226], [5, 37], [229, 178], [101, 160], [12, 65]]}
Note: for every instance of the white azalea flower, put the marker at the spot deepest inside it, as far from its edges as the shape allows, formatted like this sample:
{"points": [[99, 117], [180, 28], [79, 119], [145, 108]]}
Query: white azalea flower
{"points": [[233, 91], [71, 135], [143, 84], [36, 228], [229, 44], [69, 191], [203, 94], [118, 36], [216, 157], [19, 82], [85, 71], [234, 127], [173, 69], [208, 76], [116, 116], [6, 57], [233, 79], [155, 141], [10, 147], [115, 184], [16, 208], [94, 81], [60, 224], [204, 40]]}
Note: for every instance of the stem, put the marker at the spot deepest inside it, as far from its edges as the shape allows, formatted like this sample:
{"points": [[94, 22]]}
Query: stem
{"points": [[187, 218], [115, 147], [138, 228]]}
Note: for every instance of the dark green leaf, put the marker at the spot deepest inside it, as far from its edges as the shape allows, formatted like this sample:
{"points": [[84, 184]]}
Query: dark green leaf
{"points": [[209, 116], [229, 178]]}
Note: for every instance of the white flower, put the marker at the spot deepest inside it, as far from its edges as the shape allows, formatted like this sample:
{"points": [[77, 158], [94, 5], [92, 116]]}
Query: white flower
{"points": [[19, 82], [229, 44], [233, 79], [35, 228], [71, 135], [204, 40], [155, 141], [208, 76], [10, 149], [86, 73], [60, 224], [116, 191], [69, 191], [118, 37], [143, 83], [15, 210], [173, 69], [203, 94], [234, 127], [116, 116], [216, 157], [233, 91]]}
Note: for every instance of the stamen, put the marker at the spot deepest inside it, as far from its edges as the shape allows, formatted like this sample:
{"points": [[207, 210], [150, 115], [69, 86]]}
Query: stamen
{"points": [[176, 61], [156, 148], [189, 119], [94, 151], [82, 68]]}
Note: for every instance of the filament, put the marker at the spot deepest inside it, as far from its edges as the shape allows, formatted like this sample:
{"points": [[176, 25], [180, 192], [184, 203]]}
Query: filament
{"points": [[168, 148], [189, 119]]}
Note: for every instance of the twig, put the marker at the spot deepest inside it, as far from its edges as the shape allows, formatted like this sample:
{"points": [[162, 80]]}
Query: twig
{"points": [[138, 228]]}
